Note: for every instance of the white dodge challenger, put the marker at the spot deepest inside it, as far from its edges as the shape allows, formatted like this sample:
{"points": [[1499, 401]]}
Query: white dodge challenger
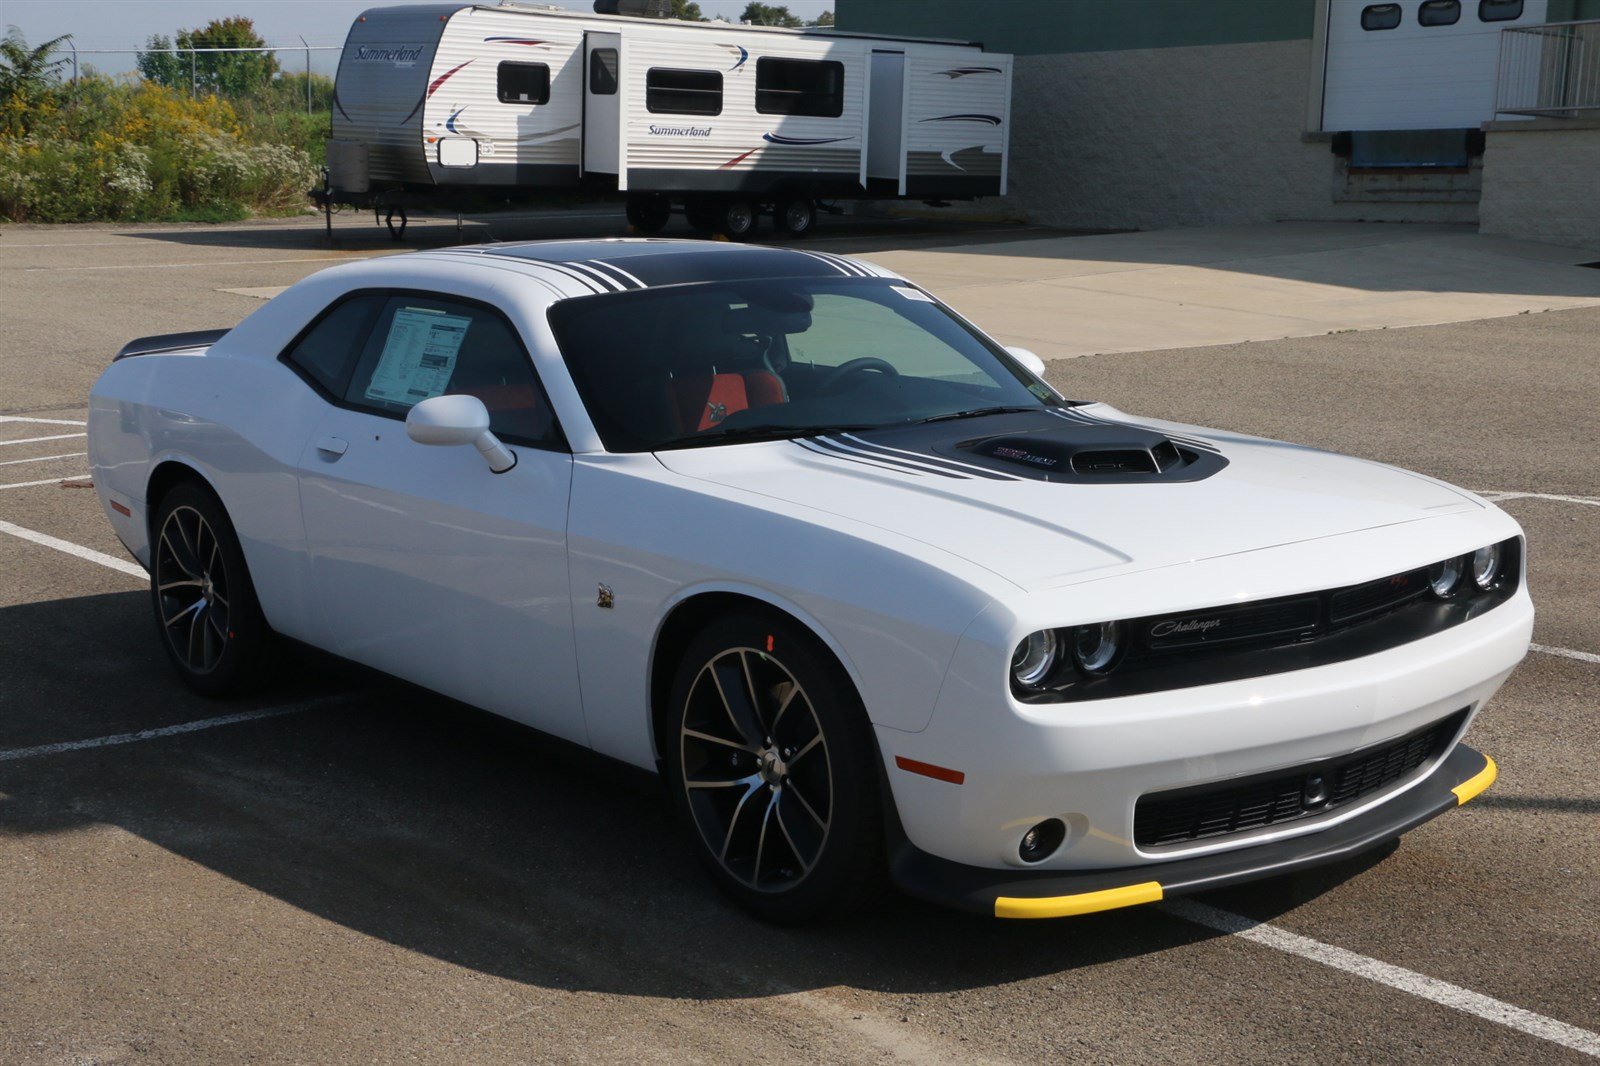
{"points": [[877, 602]]}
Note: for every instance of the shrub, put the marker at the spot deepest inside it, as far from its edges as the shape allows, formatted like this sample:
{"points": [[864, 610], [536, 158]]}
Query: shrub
{"points": [[129, 151]]}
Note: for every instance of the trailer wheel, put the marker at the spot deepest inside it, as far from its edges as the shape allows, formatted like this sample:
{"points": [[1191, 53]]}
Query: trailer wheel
{"points": [[736, 219], [796, 216], [701, 214], [648, 212]]}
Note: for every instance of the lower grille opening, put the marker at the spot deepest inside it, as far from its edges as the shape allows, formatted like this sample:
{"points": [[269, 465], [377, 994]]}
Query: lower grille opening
{"points": [[1224, 808]]}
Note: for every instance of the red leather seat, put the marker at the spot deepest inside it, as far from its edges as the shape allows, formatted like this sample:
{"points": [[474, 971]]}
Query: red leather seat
{"points": [[701, 402]]}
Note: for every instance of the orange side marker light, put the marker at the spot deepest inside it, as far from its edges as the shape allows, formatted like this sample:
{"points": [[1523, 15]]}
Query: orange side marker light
{"points": [[120, 509], [928, 769]]}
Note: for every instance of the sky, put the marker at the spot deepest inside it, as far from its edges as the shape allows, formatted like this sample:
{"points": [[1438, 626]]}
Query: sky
{"points": [[126, 24]]}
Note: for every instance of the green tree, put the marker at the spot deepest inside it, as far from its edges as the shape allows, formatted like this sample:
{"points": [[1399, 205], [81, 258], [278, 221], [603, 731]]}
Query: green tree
{"points": [[222, 73], [24, 71], [759, 14], [159, 64], [824, 19], [688, 11]]}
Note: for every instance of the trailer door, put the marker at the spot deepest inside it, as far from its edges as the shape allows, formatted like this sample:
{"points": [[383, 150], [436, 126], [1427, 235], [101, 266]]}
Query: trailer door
{"points": [[602, 105], [886, 117]]}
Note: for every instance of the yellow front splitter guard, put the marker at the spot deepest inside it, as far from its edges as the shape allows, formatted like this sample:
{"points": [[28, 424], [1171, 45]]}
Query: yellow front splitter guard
{"points": [[1150, 891]]}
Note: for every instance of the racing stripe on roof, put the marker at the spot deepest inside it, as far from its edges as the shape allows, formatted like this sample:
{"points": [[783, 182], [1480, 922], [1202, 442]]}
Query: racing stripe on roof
{"points": [[609, 283], [622, 277]]}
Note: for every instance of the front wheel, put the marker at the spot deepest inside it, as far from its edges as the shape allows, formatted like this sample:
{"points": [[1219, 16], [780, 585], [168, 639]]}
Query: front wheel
{"points": [[205, 605], [772, 767], [736, 219]]}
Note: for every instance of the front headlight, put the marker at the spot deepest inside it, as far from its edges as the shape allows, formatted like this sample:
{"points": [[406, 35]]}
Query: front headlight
{"points": [[1095, 647], [1443, 577], [1035, 658], [1486, 567]]}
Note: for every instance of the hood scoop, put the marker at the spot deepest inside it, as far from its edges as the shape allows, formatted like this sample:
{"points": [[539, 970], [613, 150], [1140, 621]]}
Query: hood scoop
{"points": [[1110, 454]]}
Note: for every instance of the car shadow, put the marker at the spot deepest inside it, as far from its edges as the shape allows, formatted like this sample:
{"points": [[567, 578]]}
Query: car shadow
{"points": [[467, 838]]}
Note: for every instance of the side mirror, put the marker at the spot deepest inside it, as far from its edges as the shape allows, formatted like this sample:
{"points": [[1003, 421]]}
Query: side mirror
{"points": [[1034, 364], [459, 420]]}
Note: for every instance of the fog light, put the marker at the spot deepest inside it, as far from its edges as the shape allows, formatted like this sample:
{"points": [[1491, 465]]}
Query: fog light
{"points": [[1443, 577], [1486, 567], [1040, 842]]}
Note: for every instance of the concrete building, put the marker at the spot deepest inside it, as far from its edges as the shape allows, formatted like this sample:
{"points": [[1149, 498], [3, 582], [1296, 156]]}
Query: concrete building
{"points": [[1153, 113]]}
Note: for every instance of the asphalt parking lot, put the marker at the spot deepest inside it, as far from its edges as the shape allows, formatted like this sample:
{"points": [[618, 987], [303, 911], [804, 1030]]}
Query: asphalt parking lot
{"points": [[350, 870]]}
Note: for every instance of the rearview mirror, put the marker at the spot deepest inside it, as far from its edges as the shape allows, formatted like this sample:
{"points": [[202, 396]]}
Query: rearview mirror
{"points": [[459, 420], [1034, 364]]}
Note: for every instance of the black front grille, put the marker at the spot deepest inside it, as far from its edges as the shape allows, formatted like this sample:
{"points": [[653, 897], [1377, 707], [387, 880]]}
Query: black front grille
{"points": [[1361, 602], [1182, 815]]}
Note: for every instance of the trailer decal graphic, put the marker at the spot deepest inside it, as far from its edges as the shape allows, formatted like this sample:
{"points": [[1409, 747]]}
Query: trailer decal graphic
{"points": [[680, 131], [740, 51], [450, 123], [961, 72], [441, 79], [993, 120], [778, 138], [736, 160], [513, 40], [340, 106]]}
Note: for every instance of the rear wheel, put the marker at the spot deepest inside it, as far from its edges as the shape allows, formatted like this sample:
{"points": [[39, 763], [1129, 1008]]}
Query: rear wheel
{"points": [[205, 605], [772, 768], [796, 216], [648, 212], [701, 214]]}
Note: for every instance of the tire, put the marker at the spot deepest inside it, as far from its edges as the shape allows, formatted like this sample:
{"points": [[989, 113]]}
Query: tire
{"points": [[791, 830], [205, 607], [736, 219], [649, 212], [701, 214], [796, 216]]}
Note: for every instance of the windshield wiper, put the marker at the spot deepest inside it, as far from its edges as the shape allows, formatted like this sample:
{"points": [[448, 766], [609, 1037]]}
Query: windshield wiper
{"points": [[745, 434], [979, 411]]}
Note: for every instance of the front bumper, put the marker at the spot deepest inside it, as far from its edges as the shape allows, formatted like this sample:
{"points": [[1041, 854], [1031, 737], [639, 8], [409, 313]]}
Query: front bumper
{"points": [[1463, 774]]}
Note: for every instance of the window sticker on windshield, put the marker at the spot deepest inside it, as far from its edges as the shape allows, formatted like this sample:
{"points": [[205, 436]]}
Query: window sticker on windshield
{"points": [[418, 357], [912, 294]]}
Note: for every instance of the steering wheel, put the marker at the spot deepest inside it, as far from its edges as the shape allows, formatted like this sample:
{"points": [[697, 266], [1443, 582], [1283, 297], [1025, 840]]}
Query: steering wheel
{"points": [[833, 381]]}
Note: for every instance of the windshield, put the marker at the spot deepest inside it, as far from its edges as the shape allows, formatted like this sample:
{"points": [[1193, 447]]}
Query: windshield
{"points": [[694, 365]]}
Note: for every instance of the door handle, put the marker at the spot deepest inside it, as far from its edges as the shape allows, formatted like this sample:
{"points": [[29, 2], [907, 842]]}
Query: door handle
{"points": [[332, 447]]}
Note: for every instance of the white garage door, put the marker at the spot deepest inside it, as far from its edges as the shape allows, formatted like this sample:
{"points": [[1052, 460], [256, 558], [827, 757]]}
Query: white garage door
{"points": [[1416, 64]]}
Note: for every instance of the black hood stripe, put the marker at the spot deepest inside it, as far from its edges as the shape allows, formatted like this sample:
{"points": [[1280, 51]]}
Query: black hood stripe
{"points": [[1094, 420], [815, 446], [885, 456], [839, 450], [930, 460]]}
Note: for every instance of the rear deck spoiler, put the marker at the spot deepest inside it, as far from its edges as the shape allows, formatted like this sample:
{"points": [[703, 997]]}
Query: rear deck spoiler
{"points": [[170, 342]]}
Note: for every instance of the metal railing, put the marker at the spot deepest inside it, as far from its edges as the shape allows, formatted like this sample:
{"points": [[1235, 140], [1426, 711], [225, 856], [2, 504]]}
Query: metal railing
{"points": [[1550, 71]]}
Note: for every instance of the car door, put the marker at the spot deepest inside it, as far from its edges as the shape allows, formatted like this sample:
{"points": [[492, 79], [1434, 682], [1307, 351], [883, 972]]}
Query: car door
{"points": [[428, 565]]}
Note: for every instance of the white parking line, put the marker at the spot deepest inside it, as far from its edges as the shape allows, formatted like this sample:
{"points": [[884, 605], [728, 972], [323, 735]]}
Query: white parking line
{"points": [[1566, 653], [123, 566], [43, 458], [1397, 977], [8, 755], [43, 421], [1501, 497], [37, 440], [46, 481]]}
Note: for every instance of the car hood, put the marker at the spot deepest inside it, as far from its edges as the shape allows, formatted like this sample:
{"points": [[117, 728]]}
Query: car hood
{"points": [[1045, 499]]}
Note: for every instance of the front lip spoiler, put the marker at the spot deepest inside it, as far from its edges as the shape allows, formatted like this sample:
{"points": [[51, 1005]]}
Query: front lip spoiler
{"points": [[1055, 894]]}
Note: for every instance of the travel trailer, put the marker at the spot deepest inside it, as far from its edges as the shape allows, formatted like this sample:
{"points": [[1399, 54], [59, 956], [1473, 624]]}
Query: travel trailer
{"points": [[726, 122]]}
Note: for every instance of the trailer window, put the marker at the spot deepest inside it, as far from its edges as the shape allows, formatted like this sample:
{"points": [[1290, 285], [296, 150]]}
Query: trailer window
{"points": [[603, 71], [799, 87], [1439, 12], [683, 92], [523, 83], [1380, 16], [1499, 10]]}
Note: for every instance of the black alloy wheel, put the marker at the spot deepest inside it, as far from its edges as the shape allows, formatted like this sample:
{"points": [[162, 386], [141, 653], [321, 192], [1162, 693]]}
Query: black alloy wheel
{"points": [[205, 605], [773, 770]]}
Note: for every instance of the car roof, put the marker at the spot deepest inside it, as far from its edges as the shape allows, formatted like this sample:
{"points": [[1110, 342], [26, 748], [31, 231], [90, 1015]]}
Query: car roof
{"points": [[588, 267]]}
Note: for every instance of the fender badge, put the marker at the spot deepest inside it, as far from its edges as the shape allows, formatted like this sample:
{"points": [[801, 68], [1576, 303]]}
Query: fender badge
{"points": [[604, 597]]}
